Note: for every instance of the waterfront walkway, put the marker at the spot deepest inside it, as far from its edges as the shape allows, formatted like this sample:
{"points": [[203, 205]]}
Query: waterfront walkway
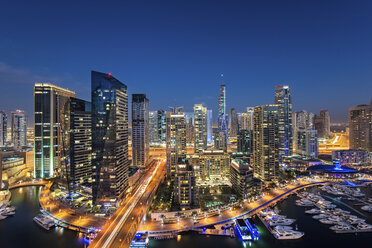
{"points": [[269, 199]]}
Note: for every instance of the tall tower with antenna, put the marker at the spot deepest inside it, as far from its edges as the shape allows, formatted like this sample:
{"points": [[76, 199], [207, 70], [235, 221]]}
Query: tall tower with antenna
{"points": [[222, 123]]}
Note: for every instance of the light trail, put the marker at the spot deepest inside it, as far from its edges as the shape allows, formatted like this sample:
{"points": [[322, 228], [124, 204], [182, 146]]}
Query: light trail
{"points": [[137, 197]]}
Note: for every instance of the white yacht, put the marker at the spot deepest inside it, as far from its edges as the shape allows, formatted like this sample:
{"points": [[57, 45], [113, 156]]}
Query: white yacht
{"points": [[364, 226], [2, 217], [281, 222], [284, 233], [327, 221], [320, 216], [44, 221], [341, 227], [313, 211], [367, 208]]}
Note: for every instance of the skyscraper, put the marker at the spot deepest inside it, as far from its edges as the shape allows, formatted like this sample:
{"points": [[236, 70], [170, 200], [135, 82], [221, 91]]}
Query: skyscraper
{"points": [[19, 128], [220, 141], [323, 125], [360, 127], [109, 137], [153, 127], [245, 141], [162, 126], [140, 129], [266, 142], [246, 120], [222, 122], [176, 139], [51, 105], [209, 126], [190, 130], [80, 147], [200, 128], [284, 101], [234, 124], [305, 136], [3, 128]]}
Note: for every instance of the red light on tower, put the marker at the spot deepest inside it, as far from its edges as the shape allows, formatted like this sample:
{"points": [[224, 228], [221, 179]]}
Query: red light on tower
{"points": [[109, 74]]}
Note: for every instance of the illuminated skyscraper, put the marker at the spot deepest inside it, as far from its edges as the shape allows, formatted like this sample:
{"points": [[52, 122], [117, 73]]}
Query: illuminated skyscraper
{"points": [[51, 105], [222, 121], [220, 141], [109, 138], [190, 130], [200, 128], [323, 125], [284, 101], [305, 136], [360, 127], [3, 128], [19, 128], [176, 139], [78, 151], [153, 127], [234, 124], [245, 141], [209, 126], [266, 142], [140, 129]]}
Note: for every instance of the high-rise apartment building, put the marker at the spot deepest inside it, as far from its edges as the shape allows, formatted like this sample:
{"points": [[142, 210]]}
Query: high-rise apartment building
{"points": [[190, 130], [234, 123], [266, 142], [213, 164], [109, 138], [220, 141], [305, 136], [79, 149], [19, 128], [200, 128], [246, 120], [3, 128], [360, 127], [245, 141], [140, 130], [153, 127], [184, 186], [323, 125], [176, 139], [283, 99], [51, 105]]}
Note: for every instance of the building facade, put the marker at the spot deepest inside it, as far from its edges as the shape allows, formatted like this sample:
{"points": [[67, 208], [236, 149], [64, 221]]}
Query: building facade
{"points": [[140, 130], [176, 139], [19, 129], [200, 128], [245, 141], [360, 127], [283, 99], [322, 124], [213, 164], [353, 157], [266, 142], [51, 105], [241, 178], [185, 186], [3, 128], [306, 137], [234, 123], [109, 138]]}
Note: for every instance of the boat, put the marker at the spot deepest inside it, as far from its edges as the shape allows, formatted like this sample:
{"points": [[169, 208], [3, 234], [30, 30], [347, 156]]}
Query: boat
{"points": [[2, 217], [252, 228], [341, 227], [367, 208], [364, 226], [281, 222], [44, 221], [320, 216], [284, 233], [313, 211], [327, 221], [8, 213], [242, 230]]}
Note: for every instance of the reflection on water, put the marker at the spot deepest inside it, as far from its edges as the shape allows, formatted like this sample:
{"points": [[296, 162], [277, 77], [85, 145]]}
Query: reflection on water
{"points": [[316, 234], [21, 231]]}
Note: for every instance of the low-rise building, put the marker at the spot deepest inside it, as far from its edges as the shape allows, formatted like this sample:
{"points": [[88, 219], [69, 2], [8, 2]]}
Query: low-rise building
{"points": [[359, 158]]}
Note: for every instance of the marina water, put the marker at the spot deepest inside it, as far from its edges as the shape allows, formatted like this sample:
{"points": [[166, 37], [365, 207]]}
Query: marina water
{"points": [[21, 231]]}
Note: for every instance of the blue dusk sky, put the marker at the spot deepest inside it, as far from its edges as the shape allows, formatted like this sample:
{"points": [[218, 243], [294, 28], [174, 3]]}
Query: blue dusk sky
{"points": [[174, 51]]}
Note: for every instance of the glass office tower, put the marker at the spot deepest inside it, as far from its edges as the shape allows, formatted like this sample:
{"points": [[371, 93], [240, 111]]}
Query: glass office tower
{"points": [[109, 138], [51, 105]]}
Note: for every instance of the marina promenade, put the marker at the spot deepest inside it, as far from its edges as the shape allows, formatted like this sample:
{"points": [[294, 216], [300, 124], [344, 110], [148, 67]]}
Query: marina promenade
{"points": [[269, 199]]}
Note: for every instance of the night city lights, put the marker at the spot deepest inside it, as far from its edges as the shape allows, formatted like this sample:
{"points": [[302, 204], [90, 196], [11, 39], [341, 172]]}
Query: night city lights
{"points": [[185, 124]]}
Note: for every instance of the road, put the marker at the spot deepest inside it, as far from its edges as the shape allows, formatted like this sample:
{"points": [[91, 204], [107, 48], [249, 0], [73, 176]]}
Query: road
{"points": [[340, 141], [119, 231]]}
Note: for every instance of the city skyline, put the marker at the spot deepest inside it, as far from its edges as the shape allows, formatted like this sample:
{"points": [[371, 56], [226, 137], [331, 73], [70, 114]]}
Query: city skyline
{"points": [[221, 38]]}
